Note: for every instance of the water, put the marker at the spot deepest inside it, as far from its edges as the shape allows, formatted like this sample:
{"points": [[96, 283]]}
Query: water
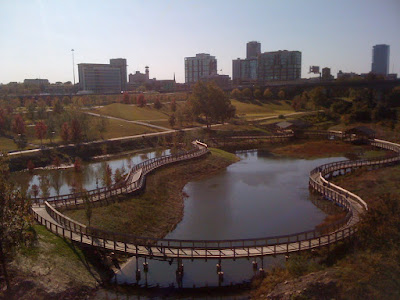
{"points": [[63, 181], [261, 195]]}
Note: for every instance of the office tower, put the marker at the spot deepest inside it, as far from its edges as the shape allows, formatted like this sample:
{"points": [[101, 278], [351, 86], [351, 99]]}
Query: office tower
{"points": [[279, 65], [202, 65], [253, 49], [380, 59], [100, 78]]}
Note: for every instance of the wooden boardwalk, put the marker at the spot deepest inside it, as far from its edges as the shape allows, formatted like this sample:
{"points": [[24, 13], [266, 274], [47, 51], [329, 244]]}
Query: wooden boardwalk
{"points": [[46, 213]]}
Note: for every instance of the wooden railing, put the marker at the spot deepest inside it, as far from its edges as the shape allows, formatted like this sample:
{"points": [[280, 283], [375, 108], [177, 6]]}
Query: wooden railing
{"points": [[147, 246], [127, 186]]}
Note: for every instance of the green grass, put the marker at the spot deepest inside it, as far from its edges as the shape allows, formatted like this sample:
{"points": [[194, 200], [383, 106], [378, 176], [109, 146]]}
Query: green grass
{"points": [[117, 128], [157, 211], [7, 144], [251, 110], [133, 113]]}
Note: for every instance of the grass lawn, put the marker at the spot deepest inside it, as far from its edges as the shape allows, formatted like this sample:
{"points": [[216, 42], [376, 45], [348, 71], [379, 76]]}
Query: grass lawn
{"points": [[118, 128], [7, 144], [133, 113], [258, 110]]}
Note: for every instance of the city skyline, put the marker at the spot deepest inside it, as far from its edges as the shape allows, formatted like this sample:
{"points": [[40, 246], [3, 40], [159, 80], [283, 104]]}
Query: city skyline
{"points": [[37, 37]]}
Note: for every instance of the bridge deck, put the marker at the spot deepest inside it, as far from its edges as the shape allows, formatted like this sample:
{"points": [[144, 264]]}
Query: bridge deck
{"points": [[169, 249]]}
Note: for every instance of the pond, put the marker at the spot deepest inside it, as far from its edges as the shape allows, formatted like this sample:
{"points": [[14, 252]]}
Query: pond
{"points": [[64, 181], [261, 195]]}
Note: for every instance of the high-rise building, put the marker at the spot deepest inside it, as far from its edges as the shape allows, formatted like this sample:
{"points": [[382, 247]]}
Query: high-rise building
{"points": [[380, 59], [202, 65], [244, 69], [253, 49], [279, 65], [121, 64], [101, 78]]}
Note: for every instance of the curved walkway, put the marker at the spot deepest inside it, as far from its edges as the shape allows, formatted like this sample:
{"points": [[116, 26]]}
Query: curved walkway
{"points": [[47, 214]]}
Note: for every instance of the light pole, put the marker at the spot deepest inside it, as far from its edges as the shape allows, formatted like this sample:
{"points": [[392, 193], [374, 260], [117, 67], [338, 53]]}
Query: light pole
{"points": [[73, 65]]}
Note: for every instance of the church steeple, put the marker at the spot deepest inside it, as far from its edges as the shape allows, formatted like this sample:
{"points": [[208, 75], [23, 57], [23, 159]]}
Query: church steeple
{"points": [[174, 77]]}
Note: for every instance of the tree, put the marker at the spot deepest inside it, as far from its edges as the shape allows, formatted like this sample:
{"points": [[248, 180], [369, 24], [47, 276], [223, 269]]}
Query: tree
{"points": [[31, 166], [257, 94], [247, 93], [141, 101], [57, 106], [118, 176], [30, 107], [18, 125], [44, 185], [56, 162], [173, 105], [236, 94], [125, 98], [107, 175], [41, 130], [65, 132], [157, 104], [318, 97], [281, 94], [102, 126], [78, 165], [210, 101], [268, 94], [76, 131], [14, 218], [172, 120], [41, 109], [88, 207]]}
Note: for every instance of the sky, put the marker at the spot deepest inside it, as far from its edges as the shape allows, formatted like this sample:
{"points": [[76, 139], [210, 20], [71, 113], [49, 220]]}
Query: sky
{"points": [[36, 36]]}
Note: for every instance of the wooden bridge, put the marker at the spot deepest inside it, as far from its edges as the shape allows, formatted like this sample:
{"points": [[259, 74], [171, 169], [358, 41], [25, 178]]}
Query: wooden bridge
{"points": [[46, 213]]}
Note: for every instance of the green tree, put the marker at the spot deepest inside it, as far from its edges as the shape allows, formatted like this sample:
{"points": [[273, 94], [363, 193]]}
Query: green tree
{"points": [[210, 101], [257, 94], [318, 97], [107, 175], [268, 94], [247, 94], [236, 94], [15, 222], [281, 94]]}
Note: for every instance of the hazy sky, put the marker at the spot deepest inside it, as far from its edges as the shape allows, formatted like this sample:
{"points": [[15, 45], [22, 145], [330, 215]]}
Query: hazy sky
{"points": [[36, 37]]}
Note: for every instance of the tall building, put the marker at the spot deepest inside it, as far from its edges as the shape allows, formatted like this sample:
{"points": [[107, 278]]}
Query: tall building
{"points": [[202, 65], [101, 78], [244, 69], [279, 65], [380, 59], [121, 64], [253, 49]]}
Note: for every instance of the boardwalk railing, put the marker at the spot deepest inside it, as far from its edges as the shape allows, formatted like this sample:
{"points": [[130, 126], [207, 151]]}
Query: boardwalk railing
{"points": [[127, 186], [234, 248]]}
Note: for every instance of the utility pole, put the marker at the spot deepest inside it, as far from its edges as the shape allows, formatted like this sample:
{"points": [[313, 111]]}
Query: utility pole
{"points": [[73, 65]]}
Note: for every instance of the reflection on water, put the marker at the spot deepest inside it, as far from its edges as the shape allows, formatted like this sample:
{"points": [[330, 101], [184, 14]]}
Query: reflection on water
{"points": [[65, 181], [259, 196]]}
